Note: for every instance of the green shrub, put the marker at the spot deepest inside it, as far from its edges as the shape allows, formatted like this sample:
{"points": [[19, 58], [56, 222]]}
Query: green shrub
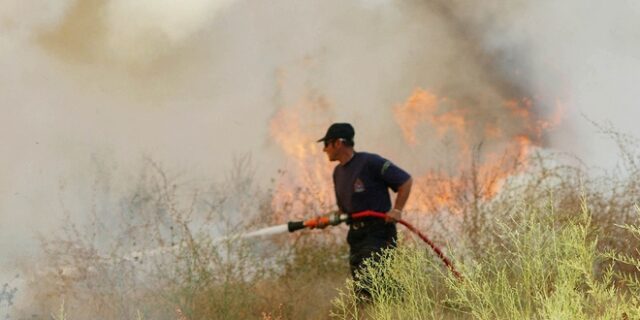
{"points": [[541, 270]]}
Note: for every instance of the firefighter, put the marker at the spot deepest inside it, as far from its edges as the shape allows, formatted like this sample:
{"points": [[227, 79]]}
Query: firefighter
{"points": [[362, 181]]}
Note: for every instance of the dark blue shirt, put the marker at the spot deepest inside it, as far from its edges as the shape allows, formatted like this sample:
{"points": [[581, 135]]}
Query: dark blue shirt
{"points": [[363, 182]]}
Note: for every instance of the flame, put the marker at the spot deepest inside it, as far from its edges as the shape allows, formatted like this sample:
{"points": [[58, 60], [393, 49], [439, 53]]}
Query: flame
{"points": [[303, 187], [286, 130], [474, 174], [420, 106], [486, 151]]}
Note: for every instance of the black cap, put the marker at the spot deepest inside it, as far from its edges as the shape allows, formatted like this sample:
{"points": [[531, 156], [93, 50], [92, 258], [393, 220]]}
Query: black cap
{"points": [[339, 131]]}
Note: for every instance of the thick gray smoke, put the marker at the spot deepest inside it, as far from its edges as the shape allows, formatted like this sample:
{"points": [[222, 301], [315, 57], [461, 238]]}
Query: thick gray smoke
{"points": [[583, 54], [89, 87]]}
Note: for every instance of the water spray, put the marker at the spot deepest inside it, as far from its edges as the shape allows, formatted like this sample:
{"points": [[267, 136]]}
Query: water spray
{"points": [[329, 220], [337, 218]]}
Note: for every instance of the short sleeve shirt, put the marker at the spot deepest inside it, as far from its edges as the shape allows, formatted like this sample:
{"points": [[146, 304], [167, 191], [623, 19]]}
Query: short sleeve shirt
{"points": [[363, 183]]}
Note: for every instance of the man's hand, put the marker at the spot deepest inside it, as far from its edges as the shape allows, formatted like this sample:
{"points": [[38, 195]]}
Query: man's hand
{"points": [[393, 215]]}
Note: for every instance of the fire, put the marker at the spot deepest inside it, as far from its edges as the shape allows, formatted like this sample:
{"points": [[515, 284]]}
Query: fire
{"points": [[286, 129], [420, 106], [303, 187], [484, 151], [474, 172]]}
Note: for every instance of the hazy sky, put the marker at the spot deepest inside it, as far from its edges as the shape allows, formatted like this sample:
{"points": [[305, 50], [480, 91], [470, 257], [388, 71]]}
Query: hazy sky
{"points": [[90, 85]]}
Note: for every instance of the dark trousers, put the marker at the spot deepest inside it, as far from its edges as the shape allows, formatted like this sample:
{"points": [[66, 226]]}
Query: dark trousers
{"points": [[366, 240]]}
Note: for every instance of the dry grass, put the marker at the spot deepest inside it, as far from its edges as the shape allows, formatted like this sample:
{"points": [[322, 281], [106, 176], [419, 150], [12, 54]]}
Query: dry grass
{"points": [[195, 276], [538, 226], [542, 270]]}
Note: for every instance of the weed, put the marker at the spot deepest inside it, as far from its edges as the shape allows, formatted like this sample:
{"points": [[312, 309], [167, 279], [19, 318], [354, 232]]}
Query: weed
{"points": [[547, 246], [545, 272]]}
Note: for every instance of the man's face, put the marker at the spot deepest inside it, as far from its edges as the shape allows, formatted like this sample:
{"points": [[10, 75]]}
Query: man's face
{"points": [[331, 148]]}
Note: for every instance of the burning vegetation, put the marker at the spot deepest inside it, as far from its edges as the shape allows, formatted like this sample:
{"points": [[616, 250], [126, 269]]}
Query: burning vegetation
{"points": [[448, 144], [553, 226]]}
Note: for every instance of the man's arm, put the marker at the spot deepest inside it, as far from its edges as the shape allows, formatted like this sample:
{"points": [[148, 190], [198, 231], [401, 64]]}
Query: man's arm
{"points": [[403, 195]]}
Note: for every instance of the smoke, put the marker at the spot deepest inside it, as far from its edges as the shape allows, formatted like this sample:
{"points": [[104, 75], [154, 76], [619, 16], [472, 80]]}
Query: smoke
{"points": [[140, 29], [82, 95], [89, 87], [585, 56], [595, 52], [130, 32]]}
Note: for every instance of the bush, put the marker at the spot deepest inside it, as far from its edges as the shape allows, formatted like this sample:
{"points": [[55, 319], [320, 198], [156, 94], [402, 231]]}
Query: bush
{"points": [[541, 270], [549, 245], [160, 255]]}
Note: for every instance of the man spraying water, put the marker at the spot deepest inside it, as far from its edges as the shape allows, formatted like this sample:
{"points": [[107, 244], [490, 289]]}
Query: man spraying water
{"points": [[362, 182]]}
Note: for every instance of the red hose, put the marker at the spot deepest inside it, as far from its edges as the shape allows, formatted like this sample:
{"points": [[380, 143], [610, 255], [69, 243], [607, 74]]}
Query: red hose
{"points": [[437, 250]]}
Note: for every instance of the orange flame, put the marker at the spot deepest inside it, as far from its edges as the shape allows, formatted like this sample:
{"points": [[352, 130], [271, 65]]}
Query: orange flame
{"points": [[473, 174], [286, 129], [420, 106], [487, 152], [303, 187]]}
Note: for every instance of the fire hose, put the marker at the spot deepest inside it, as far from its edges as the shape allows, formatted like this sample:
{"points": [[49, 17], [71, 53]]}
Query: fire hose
{"points": [[335, 219]]}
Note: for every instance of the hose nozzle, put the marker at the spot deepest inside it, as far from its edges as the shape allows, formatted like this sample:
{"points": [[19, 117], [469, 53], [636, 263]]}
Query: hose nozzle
{"points": [[332, 219], [295, 225]]}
